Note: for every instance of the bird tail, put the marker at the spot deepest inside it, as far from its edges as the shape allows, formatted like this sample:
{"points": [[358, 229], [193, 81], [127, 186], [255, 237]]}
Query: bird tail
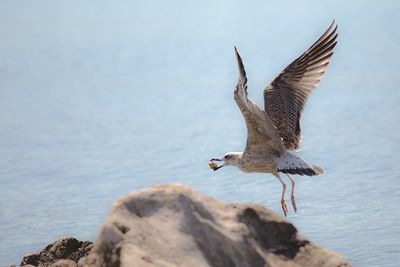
{"points": [[290, 163]]}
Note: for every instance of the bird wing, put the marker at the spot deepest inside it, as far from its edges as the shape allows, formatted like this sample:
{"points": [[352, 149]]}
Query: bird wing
{"points": [[262, 137], [286, 95]]}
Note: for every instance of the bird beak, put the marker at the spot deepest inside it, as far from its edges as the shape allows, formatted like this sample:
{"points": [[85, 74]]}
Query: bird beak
{"points": [[219, 167]]}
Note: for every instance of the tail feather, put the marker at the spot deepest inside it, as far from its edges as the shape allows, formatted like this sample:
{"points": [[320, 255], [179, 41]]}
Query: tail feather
{"points": [[318, 170], [290, 163]]}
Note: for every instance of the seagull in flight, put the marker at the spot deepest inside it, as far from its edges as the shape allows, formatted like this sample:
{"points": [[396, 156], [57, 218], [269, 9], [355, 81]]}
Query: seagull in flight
{"points": [[273, 133]]}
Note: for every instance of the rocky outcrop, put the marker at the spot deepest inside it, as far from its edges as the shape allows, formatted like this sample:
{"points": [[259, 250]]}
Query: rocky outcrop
{"points": [[65, 252], [173, 225]]}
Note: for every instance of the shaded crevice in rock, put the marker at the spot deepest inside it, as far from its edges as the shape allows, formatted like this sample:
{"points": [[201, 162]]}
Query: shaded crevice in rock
{"points": [[278, 237], [144, 207], [221, 250], [122, 228], [218, 249], [189, 206]]}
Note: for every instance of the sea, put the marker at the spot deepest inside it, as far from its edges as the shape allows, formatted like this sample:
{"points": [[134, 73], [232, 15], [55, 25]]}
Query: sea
{"points": [[101, 98]]}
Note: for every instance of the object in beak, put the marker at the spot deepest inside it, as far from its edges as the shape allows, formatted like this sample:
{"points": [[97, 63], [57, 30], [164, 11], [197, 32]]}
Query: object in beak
{"points": [[214, 166]]}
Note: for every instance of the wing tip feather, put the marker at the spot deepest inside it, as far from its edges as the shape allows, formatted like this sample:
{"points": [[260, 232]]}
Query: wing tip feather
{"points": [[302, 75], [242, 71]]}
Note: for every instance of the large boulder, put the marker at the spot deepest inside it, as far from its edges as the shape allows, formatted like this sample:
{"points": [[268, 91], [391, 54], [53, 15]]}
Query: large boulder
{"points": [[65, 252], [173, 225]]}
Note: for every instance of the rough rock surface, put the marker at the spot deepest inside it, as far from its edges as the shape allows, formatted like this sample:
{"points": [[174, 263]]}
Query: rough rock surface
{"points": [[65, 252], [173, 225]]}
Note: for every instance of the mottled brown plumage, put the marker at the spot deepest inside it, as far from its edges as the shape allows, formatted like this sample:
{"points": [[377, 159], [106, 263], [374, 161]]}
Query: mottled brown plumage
{"points": [[286, 95]]}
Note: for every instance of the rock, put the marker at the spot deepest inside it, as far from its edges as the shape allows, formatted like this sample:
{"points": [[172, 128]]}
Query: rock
{"points": [[31, 258], [64, 263], [68, 249], [173, 225]]}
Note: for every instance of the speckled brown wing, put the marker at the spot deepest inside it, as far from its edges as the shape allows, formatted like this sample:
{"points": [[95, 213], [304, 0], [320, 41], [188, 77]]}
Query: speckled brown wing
{"points": [[262, 137], [286, 95]]}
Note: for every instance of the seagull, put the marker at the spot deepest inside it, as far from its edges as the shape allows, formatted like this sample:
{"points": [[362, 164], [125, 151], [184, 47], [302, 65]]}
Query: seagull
{"points": [[274, 133]]}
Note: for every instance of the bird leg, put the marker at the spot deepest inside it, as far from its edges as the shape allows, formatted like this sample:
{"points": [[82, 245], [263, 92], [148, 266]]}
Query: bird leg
{"points": [[283, 203], [292, 193]]}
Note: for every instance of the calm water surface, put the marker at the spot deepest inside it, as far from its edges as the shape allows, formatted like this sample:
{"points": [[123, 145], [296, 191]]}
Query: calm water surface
{"points": [[98, 99]]}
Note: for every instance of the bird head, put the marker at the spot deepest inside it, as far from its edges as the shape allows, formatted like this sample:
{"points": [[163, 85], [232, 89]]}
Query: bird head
{"points": [[231, 158]]}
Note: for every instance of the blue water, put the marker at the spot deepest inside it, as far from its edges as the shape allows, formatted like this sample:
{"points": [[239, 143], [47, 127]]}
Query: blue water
{"points": [[99, 98]]}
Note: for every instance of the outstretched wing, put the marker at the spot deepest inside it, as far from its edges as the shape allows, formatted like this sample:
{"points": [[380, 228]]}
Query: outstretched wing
{"points": [[286, 95], [262, 137]]}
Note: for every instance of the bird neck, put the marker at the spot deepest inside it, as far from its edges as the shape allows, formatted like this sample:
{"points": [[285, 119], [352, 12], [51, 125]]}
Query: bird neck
{"points": [[237, 160]]}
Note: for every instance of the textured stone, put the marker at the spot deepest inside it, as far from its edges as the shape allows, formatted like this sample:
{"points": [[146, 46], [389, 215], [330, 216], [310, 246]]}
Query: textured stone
{"points": [[173, 225], [64, 263], [67, 248]]}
